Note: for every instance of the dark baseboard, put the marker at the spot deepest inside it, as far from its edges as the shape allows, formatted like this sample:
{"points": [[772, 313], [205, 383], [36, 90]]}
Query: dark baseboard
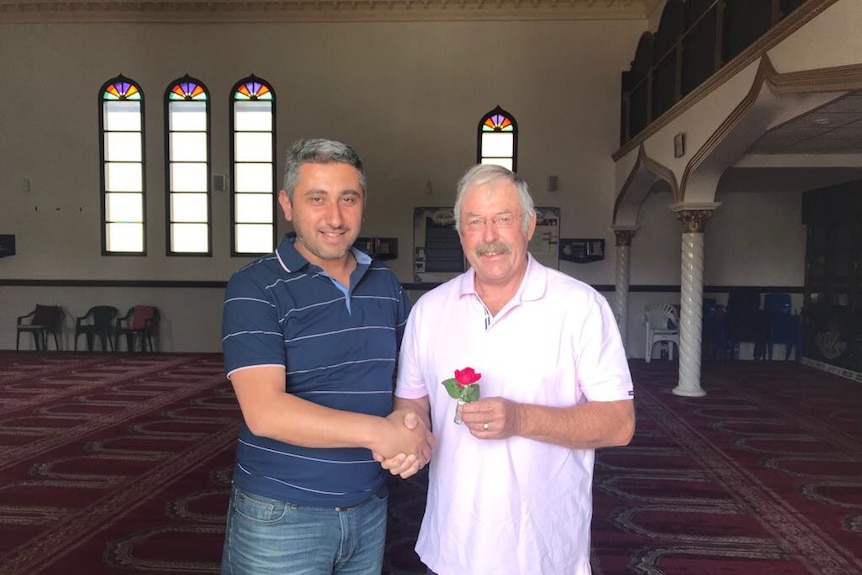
{"points": [[634, 288]]}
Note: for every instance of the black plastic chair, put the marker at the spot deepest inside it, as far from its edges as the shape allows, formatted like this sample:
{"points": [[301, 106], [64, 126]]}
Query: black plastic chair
{"points": [[97, 322], [44, 319], [140, 321]]}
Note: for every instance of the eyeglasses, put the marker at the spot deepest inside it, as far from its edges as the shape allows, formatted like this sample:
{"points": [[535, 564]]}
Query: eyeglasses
{"points": [[499, 222]]}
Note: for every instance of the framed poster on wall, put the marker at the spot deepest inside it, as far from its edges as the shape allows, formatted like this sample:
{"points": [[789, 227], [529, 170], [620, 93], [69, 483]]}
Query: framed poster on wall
{"points": [[437, 253], [546, 239]]}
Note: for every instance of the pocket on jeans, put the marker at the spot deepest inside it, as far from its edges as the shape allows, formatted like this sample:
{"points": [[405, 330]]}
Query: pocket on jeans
{"points": [[257, 508], [382, 494]]}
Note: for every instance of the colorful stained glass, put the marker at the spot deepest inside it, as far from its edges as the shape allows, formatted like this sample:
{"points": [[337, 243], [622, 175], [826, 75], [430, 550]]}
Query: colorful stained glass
{"points": [[187, 90], [121, 155], [122, 90], [253, 90], [498, 123]]}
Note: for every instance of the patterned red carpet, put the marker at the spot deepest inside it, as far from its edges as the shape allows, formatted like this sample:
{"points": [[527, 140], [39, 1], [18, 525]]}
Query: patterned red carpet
{"points": [[762, 476], [113, 464], [120, 464]]}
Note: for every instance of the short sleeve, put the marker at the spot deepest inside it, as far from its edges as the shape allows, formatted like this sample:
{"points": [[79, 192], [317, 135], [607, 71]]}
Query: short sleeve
{"points": [[251, 331], [602, 367]]}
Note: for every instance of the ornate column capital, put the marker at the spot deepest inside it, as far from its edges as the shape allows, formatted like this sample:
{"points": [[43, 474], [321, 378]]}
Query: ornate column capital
{"points": [[624, 236], [694, 216], [694, 221]]}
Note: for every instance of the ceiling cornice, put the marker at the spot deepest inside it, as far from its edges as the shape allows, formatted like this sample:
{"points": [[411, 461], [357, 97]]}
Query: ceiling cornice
{"points": [[216, 11]]}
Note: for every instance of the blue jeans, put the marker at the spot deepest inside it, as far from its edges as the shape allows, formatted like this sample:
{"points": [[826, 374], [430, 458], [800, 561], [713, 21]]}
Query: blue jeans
{"points": [[270, 537]]}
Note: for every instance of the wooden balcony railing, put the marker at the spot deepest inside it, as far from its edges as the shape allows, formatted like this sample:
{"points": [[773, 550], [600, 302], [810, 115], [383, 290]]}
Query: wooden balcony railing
{"points": [[694, 40]]}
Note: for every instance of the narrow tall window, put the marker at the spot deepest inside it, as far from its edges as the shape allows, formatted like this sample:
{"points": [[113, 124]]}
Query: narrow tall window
{"points": [[252, 167], [121, 151], [188, 168], [498, 139]]}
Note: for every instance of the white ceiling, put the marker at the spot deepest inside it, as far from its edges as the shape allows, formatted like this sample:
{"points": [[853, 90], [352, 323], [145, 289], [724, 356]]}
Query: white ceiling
{"points": [[835, 128], [785, 179], [817, 149]]}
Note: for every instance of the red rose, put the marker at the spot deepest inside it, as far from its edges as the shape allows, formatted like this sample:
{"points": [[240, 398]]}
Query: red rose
{"points": [[467, 376], [463, 387]]}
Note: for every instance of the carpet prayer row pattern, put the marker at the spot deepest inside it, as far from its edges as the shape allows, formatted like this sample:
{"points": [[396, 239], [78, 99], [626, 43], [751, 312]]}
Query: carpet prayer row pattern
{"points": [[120, 463]]}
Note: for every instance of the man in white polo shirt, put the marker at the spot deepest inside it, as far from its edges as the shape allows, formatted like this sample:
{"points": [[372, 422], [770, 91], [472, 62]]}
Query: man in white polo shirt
{"points": [[510, 486]]}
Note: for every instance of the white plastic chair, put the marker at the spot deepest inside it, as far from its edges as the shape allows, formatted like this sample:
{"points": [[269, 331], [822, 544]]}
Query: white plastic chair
{"points": [[662, 325]]}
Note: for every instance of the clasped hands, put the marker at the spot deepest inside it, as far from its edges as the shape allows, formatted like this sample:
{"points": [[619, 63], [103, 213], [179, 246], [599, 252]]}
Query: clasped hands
{"points": [[407, 446], [490, 418]]}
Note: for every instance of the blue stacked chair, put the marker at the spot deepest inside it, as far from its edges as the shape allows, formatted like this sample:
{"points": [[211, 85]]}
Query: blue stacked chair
{"points": [[745, 321], [784, 326], [712, 332]]}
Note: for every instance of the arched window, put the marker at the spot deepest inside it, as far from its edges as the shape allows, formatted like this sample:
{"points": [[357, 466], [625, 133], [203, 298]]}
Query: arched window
{"points": [[187, 147], [252, 153], [121, 152], [498, 139]]}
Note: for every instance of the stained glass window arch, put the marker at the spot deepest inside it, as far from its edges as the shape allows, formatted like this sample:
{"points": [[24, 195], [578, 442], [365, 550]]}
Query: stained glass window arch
{"points": [[122, 178], [187, 177], [498, 139], [252, 159]]}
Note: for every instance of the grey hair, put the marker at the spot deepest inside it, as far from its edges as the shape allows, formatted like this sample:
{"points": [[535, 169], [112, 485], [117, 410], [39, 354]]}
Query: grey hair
{"points": [[484, 173], [319, 151]]}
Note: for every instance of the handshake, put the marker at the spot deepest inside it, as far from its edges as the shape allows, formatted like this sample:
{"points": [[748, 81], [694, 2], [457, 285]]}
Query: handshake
{"points": [[406, 444]]}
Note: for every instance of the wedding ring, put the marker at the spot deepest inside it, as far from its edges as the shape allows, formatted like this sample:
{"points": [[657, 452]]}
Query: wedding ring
{"points": [[485, 427]]}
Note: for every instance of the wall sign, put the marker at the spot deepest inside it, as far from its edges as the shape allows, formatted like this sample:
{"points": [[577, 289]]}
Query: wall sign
{"points": [[582, 251]]}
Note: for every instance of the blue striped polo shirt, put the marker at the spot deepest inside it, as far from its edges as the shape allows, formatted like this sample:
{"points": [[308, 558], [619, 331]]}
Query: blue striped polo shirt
{"points": [[338, 348]]}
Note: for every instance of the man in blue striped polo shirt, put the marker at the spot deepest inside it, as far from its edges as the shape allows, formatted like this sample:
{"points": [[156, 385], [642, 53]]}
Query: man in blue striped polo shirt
{"points": [[310, 337]]}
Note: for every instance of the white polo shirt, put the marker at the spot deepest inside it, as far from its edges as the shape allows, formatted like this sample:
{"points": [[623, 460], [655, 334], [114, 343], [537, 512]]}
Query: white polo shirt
{"points": [[515, 506]]}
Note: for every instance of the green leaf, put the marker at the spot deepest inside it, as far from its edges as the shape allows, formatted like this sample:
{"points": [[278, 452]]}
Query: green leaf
{"points": [[452, 388], [470, 393]]}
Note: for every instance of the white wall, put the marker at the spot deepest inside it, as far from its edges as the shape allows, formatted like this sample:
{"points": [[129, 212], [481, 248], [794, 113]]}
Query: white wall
{"points": [[408, 96], [753, 238], [756, 238]]}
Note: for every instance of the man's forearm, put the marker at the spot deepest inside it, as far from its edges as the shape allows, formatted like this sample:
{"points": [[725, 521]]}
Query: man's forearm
{"points": [[586, 426]]}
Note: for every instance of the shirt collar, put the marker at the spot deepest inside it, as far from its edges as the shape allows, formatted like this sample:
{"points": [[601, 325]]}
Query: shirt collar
{"points": [[292, 261]]}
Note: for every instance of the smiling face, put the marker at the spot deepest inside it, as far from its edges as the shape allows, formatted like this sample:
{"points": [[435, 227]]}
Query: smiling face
{"points": [[326, 212], [493, 236]]}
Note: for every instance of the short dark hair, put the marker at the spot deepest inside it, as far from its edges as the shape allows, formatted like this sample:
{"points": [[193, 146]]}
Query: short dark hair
{"points": [[319, 151]]}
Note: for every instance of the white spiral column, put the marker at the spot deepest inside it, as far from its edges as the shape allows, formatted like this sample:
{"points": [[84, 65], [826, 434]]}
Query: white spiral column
{"points": [[622, 282], [691, 302]]}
